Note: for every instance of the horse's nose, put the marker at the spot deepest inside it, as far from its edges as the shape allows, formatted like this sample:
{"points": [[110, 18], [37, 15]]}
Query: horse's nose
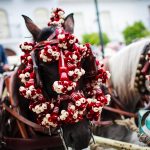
{"points": [[77, 135], [80, 140]]}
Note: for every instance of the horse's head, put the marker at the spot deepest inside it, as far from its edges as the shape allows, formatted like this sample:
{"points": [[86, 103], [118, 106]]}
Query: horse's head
{"points": [[76, 135], [61, 78], [129, 77]]}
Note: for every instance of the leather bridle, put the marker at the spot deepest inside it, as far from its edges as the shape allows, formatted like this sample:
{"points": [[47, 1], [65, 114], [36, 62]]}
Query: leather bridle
{"points": [[39, 46]]}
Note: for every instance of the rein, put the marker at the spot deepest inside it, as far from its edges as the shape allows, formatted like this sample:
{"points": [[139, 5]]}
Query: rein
{"points": [[119, 108], [28, 122], [114, 110], [121, 112]]}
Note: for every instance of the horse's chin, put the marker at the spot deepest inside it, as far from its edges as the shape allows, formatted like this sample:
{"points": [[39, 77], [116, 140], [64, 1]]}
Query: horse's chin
{"points": [[78, 148], [78, 135], [88, 148]]}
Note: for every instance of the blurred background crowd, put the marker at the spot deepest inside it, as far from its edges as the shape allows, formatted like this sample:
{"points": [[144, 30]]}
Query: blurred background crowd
{"points": [[121, 22]]}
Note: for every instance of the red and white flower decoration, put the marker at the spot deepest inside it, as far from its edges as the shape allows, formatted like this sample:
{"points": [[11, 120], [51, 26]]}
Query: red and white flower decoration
{"points": [[57, 17], [69, 53], [49, 53]]}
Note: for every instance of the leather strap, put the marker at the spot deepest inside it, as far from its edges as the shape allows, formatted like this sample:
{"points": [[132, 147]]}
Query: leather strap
{"points": [[14, 103], [116, 100], [51, 36], [28, 122], [30, 144], [35, 67], [121, 112], [1, 86], [103, 123], [40, 45]]}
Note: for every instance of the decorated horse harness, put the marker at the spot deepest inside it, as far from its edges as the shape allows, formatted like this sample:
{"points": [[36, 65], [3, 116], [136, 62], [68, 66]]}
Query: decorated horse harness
{"points": [[66, 49]]}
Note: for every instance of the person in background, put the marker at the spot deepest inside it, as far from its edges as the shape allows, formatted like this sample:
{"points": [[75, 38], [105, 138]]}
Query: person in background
{"points": [[3, 60]]}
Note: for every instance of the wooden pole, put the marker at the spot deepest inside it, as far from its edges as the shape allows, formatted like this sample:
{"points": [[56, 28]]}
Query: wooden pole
{"points": [[105, 142], [99, 28]]}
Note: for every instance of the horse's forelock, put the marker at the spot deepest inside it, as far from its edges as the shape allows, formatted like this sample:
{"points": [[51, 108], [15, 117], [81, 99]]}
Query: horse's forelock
{"points": [[123, 67], [45, 33]]}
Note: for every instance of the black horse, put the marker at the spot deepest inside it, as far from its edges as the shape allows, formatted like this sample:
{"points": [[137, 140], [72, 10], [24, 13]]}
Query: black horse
{"points": [[75, 135]]}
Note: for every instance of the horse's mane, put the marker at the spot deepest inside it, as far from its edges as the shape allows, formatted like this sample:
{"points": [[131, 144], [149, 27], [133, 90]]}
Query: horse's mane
{"points": [[123, 67]]}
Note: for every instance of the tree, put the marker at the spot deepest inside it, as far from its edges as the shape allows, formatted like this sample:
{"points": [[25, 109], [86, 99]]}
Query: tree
{"points": [[134, 32], [93, 38]]}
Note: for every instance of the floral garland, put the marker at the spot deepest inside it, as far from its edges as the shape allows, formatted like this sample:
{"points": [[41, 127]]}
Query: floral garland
{"points": [[69, 52]]}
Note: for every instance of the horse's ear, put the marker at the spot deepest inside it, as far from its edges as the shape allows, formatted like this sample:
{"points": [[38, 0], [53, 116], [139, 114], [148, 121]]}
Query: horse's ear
{"points": [[34, 29], [69, 23]]}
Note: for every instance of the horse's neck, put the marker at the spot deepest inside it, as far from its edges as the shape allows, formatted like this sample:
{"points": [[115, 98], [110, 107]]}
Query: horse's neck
{"points": [[123, 67]]}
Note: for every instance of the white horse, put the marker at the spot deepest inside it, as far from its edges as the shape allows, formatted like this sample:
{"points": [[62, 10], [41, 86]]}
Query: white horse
{"points": [[125, 68], [129, 69]]}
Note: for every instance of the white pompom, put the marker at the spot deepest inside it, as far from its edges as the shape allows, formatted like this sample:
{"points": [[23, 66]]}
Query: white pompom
{"points": [[70, 73], [29, 57], [28, 93], [48, 115], [71, 42], [44, 106], [83, 71], [76, 71], [27, 74], [60, 45], [52, 105], [95, 109], [63, 111], [64, 46], [89, 100], [52, 14], [73, 84], [74, 56], [82, 100], [22, 75], [108, 98], [78, 103], [61, 36], [75, 115], [72, 107], [49, 50], [22, 88], [62, 20], [31, 88], [69, 88]]}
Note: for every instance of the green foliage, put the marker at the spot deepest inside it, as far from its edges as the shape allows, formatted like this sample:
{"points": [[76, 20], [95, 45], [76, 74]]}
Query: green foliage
{"points": [[134, 32], [93, 38]]}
